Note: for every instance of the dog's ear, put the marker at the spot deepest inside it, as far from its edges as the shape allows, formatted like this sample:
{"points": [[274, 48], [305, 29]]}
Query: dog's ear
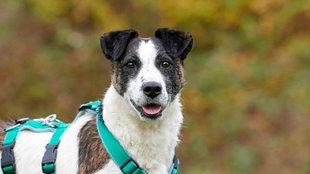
{"points": [[176, 43], [114, 44]]}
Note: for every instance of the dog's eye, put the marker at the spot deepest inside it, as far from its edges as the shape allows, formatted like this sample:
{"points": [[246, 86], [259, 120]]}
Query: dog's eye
{"points": [[130, 65], [165, 64]]}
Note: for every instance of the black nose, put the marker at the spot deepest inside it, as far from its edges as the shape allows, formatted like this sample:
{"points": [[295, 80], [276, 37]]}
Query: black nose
{"points": [[151, 89]]}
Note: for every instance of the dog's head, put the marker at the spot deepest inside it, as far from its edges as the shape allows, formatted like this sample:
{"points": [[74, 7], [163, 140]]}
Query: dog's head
{"points": [[147, 72]]}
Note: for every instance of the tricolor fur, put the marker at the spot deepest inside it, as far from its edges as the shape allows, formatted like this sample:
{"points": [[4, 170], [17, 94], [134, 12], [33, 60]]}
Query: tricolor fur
{"points": [[141, 108]]}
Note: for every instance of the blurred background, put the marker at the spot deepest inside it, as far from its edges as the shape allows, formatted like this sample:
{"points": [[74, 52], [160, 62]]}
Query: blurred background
{"points": [[247, 98]]}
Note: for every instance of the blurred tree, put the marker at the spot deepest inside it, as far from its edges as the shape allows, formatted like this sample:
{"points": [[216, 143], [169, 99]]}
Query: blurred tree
{"points": [[246, 102]]}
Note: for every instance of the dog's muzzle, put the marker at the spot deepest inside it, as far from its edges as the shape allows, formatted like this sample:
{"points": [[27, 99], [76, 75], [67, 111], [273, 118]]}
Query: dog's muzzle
{"points": [[150, 110]]}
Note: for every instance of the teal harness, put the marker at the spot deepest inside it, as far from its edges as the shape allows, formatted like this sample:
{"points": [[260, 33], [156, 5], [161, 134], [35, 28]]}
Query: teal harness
{"points": [[50, 124]]}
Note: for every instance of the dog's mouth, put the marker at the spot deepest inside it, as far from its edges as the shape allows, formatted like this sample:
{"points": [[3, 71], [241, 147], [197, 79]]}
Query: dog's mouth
{"points": [[151, 110]]}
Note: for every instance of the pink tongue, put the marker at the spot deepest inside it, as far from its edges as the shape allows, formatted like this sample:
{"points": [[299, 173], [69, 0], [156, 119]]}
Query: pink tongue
{"points": [[152, 109]]}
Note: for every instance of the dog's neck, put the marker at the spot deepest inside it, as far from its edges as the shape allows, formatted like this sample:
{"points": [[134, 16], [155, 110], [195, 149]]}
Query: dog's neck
{"points": [[150, 142]]}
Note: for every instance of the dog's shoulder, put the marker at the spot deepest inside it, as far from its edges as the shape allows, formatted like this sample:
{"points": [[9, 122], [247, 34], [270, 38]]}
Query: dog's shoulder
{"points": [[92, 154]]}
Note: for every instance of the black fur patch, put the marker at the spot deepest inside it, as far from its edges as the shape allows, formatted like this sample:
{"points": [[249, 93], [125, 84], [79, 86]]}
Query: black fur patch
{"points": [[176, 43], [173, 74], [122, 71], [114, 44]]}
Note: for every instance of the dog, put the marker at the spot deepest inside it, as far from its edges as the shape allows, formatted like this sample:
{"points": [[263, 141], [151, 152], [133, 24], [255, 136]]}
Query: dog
{"points": [[141, 108]]}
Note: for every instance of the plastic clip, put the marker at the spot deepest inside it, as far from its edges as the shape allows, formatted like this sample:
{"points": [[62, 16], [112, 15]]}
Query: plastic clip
{"points": [[49, 158], [7, 159]]}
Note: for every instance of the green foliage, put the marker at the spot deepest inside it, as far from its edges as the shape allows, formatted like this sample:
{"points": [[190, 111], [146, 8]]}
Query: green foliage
{"points": [[246, 102]]}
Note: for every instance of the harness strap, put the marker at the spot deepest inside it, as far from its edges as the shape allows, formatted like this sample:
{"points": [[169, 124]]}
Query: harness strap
{"points": [[116, 151], [49, 158], [119, 155]]}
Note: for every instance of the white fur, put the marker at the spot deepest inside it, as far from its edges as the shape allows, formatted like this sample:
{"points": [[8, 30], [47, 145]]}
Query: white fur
{"points": [[150, 142]]}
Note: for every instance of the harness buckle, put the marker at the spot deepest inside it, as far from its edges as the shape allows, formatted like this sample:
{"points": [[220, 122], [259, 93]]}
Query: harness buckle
{"points": [[7, 159], [93, 105], [21, 121], [130, 166], [49, 158], [175, 165]]}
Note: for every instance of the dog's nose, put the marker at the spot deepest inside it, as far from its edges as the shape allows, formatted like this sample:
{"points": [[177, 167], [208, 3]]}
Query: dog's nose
{"points": [[151, 89]]}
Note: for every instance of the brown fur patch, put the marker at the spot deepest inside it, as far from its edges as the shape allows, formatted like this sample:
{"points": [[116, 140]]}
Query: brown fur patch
{"points": [[92, 154], [180, 73], [116, 78]]}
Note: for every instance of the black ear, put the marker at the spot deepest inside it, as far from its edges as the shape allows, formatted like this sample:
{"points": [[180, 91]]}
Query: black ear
{"points": [[114, 44], [176, 43]]}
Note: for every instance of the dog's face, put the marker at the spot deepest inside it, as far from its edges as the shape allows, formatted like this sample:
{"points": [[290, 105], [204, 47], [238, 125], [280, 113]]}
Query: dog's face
{"points": [[147, 72]]}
